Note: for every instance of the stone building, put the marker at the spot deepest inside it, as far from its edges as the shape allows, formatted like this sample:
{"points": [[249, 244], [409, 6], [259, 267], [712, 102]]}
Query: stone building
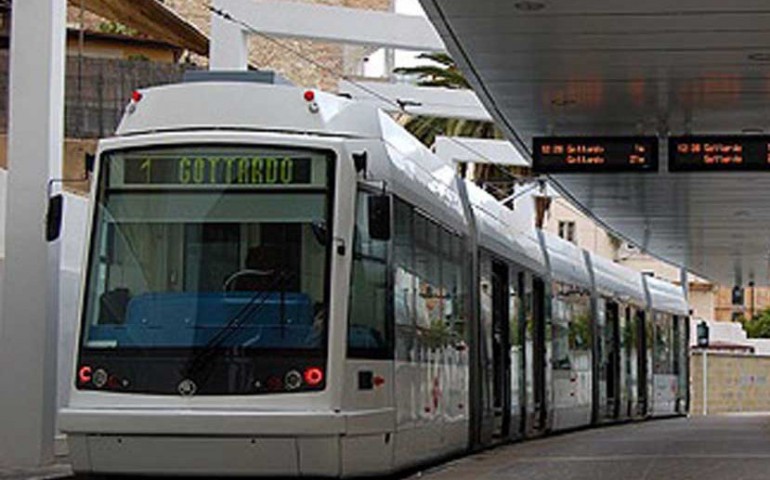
{"points": [[266, 54]]}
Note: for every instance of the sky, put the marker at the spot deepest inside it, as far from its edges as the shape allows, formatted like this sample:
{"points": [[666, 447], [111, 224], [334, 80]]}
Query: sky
{"points": [[375, 67]]}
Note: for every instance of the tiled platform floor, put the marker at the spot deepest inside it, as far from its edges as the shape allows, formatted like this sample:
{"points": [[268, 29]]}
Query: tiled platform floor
{"points": [[712, 448]]}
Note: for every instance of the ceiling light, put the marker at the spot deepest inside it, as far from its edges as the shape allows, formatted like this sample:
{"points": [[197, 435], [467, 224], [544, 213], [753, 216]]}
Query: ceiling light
{"points": [[759, 57], [562, 102], [529, 6]]}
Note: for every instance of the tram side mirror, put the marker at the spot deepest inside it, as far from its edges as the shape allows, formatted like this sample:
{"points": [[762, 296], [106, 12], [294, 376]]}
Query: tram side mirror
{"points": [[53, 218], [703, 334], [90, 163], [360, 162], [380, 217]]}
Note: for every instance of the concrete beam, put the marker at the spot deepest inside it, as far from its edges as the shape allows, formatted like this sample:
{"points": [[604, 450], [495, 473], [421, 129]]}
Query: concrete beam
{"points": [[460, 149], [30, 294], [428, 101], [229, 45], [324, 23]]}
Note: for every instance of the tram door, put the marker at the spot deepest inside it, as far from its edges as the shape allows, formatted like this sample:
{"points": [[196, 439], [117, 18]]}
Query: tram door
{"points": [[539, 356], [501, 387], [612, 366], [641, 362], [681, 367]]}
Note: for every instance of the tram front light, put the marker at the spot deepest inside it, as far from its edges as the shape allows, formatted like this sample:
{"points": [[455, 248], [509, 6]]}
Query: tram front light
{"points": [[293, 380], [100, 378], [274, 384], [314, 376], [309, 97]]}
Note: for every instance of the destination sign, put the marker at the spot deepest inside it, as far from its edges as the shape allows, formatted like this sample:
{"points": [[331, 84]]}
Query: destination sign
{"points": [[704, 153], [594, 154], [217, 170]]}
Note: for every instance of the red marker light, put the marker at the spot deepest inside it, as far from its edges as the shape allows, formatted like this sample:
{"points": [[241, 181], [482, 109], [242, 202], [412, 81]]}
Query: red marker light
{"points": [[113, 382], [274, 383], [309, 95], [314, 376], [378, 380], [136, 96], [84, 374]]}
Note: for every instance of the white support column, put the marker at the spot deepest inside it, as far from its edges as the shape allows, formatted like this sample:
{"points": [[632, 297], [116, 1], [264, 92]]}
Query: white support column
{"points": [[28, 322], [229, 44], [705, 387]]}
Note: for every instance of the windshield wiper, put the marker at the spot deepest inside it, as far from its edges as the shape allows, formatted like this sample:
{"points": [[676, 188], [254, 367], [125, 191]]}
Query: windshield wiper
{"points": [[254, 305]]}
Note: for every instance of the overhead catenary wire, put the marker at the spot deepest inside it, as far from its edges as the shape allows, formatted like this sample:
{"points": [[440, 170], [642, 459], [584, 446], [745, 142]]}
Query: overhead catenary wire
{"points": [[399, 104]]}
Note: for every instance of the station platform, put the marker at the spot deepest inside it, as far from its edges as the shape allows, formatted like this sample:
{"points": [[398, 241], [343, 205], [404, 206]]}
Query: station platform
{"points": [[58, 470], [702, 448]]}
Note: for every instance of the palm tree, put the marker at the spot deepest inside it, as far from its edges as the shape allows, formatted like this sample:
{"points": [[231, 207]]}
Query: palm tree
{"points": [[443, 72]]}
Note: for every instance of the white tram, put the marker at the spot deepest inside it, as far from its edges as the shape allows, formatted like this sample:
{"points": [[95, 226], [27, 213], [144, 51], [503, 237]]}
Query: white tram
{"points": [[285, 282]]}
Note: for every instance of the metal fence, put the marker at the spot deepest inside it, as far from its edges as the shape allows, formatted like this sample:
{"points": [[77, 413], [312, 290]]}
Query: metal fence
{"points": [[97, 90]]}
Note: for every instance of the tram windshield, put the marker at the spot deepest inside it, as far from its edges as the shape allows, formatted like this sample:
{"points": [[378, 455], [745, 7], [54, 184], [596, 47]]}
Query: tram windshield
{"points": [[203, 248]]}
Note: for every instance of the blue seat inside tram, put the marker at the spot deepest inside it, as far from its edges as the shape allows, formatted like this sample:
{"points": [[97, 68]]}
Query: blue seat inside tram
{"points": [[193, 319]]}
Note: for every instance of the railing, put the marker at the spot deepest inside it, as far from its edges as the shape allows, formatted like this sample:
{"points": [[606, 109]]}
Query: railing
{"points": [[97, 90]]}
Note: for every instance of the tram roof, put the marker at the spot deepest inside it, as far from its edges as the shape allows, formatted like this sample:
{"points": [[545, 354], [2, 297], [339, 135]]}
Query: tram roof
{"points": [[566, 260], [666, 297], [248, 106], [411, 170], [617, 280], [501, 231], [617, 68]]}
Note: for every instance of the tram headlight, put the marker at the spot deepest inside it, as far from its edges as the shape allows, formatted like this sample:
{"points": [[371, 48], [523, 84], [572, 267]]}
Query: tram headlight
{"points": [[100, 378], [292, 380]]}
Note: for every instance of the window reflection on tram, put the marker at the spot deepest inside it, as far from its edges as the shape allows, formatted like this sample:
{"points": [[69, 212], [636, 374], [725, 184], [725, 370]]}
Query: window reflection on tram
{"points": [[571, 357], [429, 308], [571, 329], [664, 345], [179, 269]]}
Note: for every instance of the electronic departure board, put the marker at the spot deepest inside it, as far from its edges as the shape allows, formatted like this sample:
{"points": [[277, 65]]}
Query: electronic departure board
{"points": [[707, 153], [594, 154]]}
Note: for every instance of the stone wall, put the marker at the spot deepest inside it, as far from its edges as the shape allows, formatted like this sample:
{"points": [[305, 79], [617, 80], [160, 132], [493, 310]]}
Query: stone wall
{"points": [[736, 383], [268, 55]]}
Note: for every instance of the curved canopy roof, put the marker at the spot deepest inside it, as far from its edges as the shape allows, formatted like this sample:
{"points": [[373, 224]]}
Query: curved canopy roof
{"points": [[615, 67]]}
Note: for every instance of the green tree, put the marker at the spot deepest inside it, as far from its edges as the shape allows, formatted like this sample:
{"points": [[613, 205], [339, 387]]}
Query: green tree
{"points": [[443, 72], [759, 325], [117, 28]]}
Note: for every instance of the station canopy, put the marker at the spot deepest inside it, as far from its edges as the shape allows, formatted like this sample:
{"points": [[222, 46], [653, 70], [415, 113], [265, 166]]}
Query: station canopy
{"points": [[622, 68]]}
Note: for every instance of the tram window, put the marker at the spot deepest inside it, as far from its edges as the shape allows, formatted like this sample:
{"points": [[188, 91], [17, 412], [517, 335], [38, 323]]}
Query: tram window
{"points": [[403, 280], [430, 298], [571, 328], [429, 285], [170, 267], [663, 352], [453, 282], [367, 325], [403, 264]]}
